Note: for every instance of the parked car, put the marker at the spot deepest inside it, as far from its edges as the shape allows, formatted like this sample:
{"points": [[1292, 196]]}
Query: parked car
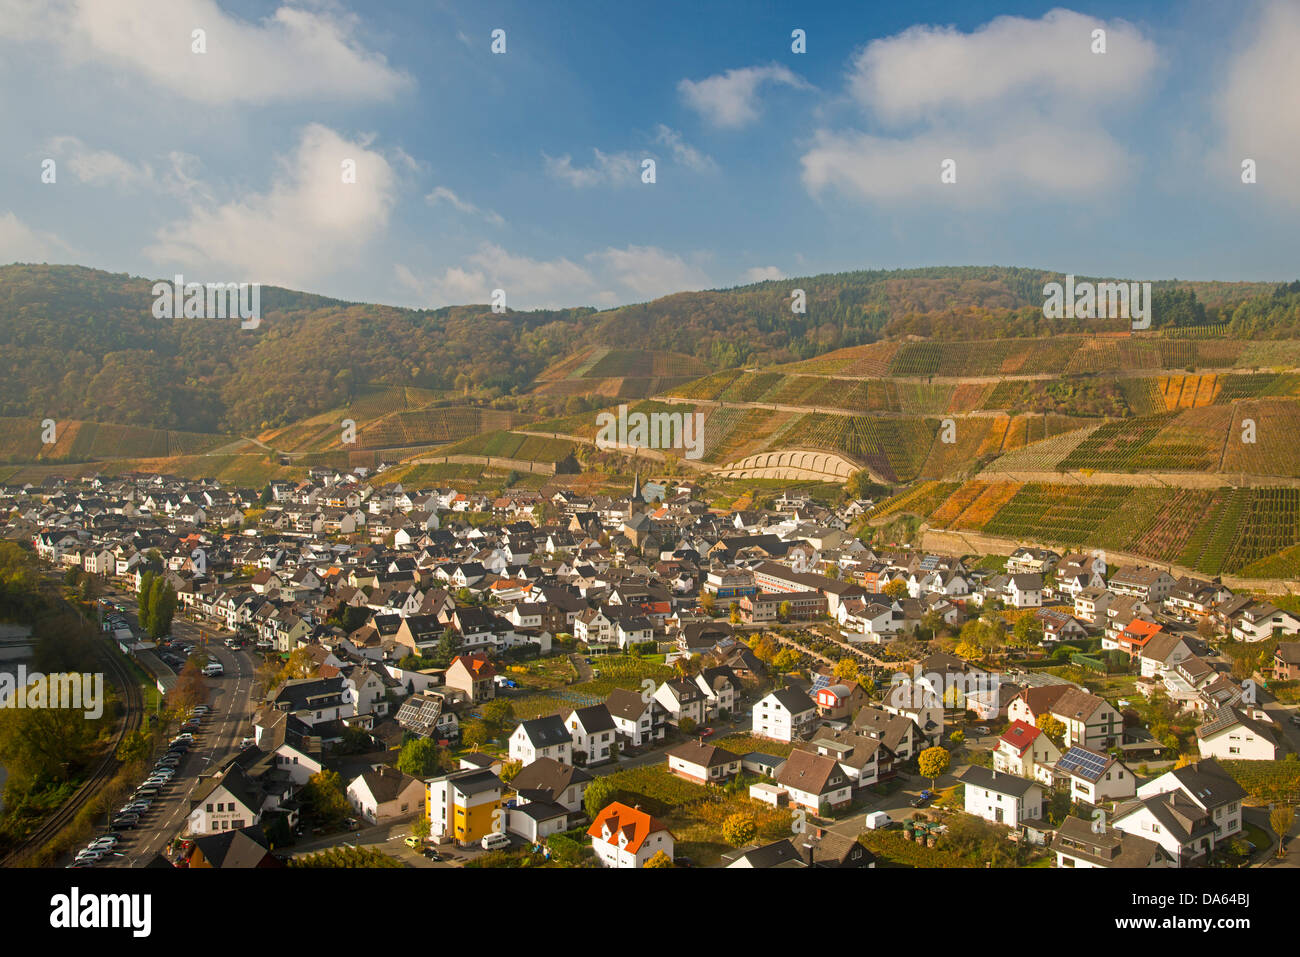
{"points": [[125, 822], [979, 729], [89, 855], [922, 799], [412, 841], [1295, 719], [431, 854]]}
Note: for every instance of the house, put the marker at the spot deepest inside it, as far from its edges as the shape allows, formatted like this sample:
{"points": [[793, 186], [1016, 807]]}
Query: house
{"points": [[1286, 661], [681, 700], [1263, 620], [783, 714], [1091, 605], [474, 675], [241, 849], [1209, 787], [899, 733], [623, 836], [1025, 751], [1088, 719], [703, 763], [1151, 585], [1024, 590], [637, 720], [548, 796], [1163, 652], [815, 782], [864, 758], [1001, 798], [383, 794], [227, 801], [822, 848], [780, 853], [1086, 844], [1095, 777], [592, 732], [840, 700], [1229, 732], [720, 687], [465, 806], [546, 737]]}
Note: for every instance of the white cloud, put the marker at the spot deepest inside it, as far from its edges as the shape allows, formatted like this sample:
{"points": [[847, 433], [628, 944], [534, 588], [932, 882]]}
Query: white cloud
{"points": [[731, 99], [294, 54], [616, 169], [763, 273], [20, 243], [1020, 105], [306, 226], [937, 70], [441, 194], [99, 167], [607, 277], [1256, 109], [682, 151]]}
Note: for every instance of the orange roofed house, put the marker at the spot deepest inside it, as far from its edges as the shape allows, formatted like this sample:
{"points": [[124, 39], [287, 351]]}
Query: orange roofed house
{"points": [[625, 836], [472, 674]]}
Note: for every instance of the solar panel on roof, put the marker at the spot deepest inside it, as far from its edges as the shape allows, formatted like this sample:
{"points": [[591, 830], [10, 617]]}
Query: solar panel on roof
{"points": [[1085, 763]]}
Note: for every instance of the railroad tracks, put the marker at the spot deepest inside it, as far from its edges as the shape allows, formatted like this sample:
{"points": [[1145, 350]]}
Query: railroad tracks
{"points": [[101, 773]]}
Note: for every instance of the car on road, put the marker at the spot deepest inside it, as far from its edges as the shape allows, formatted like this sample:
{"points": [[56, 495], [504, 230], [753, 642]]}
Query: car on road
{"points": [[102, 844], [706, 732], [412, 841], [979, 729], [201, 709], [125, 822], [1295, 719], [91, 856], [166, 773], [247, 743], [431, 854], [148, 791], [136, 807], [924, 798], [213, 669], [185, 736], [169, 761], [495, 842], [683, 861]]}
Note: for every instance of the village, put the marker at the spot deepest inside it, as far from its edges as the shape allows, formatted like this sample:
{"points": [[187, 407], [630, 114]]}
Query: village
{"points": [[543, 678]]}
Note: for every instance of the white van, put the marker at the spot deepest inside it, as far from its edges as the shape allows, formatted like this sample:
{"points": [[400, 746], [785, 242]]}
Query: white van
{"points": [[878, 819], [213, 668], [494, 842]]}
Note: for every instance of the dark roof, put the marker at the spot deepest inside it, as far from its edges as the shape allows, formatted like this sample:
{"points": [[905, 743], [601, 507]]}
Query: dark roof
{"points": [[981, 777], [793, 700], [546, 775], [704, 755], [777, 854], [593, 718], [246, 847], [546, 732]]}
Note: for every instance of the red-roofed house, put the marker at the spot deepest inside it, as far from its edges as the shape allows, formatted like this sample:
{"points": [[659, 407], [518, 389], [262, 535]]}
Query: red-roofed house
{"points": [[472, 674], [1025, 751], [1135, 636], [625, 836]]}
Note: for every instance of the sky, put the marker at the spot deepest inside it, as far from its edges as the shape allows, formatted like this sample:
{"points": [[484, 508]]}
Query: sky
{"points": [[383, 152]]}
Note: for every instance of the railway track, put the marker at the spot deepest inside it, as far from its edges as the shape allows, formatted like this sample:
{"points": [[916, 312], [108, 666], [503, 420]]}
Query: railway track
{"points": [[103, 770]]}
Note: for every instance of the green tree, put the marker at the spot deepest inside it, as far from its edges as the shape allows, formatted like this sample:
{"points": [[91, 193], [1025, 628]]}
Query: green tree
{"points": [[498, 714], [420, 827], [325, 795], [786, 660], [600, 794], [475, 733], [420, 758], [933, 762], [687, 725], [142, 599], [896, 589]]}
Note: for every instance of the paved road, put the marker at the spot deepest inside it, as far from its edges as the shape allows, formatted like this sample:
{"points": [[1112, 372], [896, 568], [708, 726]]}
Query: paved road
{"points": [[230, 721]]}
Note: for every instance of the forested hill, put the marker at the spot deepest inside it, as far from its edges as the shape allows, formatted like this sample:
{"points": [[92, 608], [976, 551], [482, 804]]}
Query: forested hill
{"points": [[80, 343]]}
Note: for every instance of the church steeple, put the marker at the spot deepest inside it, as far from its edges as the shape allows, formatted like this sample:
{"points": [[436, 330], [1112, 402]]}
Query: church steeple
{"points": [[636, 487]]}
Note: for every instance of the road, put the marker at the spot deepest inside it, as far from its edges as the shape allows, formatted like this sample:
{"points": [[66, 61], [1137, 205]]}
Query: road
{"points": [[232, 705]]}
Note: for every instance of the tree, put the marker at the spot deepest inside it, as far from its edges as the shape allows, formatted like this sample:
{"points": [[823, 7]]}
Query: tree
{"points": [[600, 794], [932, 762], [686, 725], [142, 599], [739, 829], [707, 602], [1280, 820], [498, 714], [1028, 630], [162, 607], [325, 795], [190, 690], [658, 859], [783, 611], [419, 758], [510, 768], [734, 616], [420, 827], [475, 733], [967, 650], [896, 589], [786, 660], [846, 669], [1051, 726]]}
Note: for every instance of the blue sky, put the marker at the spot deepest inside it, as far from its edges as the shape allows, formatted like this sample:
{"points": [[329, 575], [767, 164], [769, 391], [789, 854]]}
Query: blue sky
{"points": [[522, 170]]}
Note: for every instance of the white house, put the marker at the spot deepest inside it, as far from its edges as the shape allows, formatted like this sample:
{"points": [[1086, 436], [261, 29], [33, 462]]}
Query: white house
{"points": [[1001, 798], [1232, 733], [1095, 777], [623, 836], [542, 738], [783, 714]]}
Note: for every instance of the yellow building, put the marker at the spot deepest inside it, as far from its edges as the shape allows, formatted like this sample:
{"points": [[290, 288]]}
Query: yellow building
{"points": [[465, 806]]}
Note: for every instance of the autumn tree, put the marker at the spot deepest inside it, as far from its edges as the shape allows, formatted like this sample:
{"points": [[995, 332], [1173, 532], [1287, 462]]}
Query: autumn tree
{"points": [[739, 829], [846, 669], [897, 589], [1051, 726], [658, 860], [933, 762], [1280, 819], [325, 795]]}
